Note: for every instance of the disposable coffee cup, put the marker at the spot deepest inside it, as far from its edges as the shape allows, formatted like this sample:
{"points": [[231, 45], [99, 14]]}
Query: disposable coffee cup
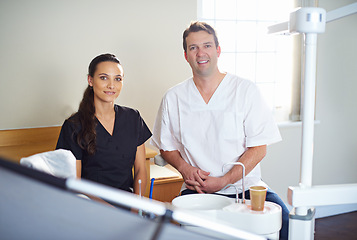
{"points": [[257, 197]]}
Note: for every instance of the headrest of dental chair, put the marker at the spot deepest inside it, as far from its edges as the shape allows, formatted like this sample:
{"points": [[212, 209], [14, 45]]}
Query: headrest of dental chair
{"points": [[59, 163]]}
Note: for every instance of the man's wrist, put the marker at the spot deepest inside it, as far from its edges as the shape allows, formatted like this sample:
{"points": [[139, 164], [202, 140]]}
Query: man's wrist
{"points": [[182, 166], [229, 178]]}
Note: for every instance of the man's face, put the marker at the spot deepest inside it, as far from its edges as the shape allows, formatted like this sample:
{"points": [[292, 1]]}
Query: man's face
{"points": [[202, 53]]}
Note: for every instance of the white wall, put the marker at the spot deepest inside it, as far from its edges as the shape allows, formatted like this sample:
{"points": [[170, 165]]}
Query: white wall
{"points": [[335, 141], [46, 47]]}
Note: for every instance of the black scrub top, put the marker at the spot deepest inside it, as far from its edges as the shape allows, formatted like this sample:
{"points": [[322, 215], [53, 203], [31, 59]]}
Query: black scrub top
{"points": [[115, 154]]}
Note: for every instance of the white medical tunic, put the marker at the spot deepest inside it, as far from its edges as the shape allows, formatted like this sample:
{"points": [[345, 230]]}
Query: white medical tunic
{"points": [[210, 135]]}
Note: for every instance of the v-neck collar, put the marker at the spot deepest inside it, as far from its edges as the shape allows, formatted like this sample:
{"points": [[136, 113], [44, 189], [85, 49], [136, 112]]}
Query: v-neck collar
{"points": [[196, 100], [115, 119]]}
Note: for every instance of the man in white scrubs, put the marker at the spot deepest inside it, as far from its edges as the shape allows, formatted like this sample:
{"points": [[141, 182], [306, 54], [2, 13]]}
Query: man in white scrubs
{"points": [[212, 119]]}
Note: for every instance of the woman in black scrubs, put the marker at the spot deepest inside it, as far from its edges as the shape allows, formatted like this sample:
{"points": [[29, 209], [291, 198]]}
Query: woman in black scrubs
{"points": [[107, 139]]}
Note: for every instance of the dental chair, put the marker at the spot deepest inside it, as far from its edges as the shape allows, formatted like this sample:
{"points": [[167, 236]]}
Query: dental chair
{"points": [[59, 163]]}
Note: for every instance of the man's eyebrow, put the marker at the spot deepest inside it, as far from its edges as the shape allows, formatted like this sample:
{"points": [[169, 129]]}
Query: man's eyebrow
{"points": [[195, 44]]}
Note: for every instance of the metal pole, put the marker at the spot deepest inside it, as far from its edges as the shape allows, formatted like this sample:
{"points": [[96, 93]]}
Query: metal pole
{"points": [[303, 226], [308, 115]]}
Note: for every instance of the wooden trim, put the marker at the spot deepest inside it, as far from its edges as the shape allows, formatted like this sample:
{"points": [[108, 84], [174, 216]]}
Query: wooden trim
{"points": [[161, 181], [26, 136], [18, 143]]}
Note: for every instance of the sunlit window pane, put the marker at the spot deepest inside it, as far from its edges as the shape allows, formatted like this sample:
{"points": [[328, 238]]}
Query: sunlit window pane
{"points": [[245, 65], [265, 42], [246, 37], [226, 31], [266, 67], [227, 62], [267, 8], [277, 10], [226, 9], [206, 10], [248, 51], [246, 10]]}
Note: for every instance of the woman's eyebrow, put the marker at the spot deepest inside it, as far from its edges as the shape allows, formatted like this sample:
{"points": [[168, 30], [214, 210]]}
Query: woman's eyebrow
{"points": [[106, 74]]}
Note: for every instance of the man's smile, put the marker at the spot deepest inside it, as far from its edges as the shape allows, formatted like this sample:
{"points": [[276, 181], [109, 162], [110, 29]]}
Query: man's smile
{"points": [[202, 61]]}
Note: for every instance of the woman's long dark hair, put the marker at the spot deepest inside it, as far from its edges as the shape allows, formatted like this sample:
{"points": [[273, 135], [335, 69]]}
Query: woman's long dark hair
{"points": [[86, 137]]}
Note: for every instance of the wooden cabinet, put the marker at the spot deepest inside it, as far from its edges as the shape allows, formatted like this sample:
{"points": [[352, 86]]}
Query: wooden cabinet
{"points": [[167, 186]]}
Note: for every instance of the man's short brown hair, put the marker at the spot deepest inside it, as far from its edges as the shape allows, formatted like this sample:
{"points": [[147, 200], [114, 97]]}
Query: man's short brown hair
{"points": [[196, 27]]}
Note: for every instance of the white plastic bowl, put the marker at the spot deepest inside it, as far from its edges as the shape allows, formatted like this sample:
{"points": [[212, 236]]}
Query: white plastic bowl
{"points": [[202, 202]]}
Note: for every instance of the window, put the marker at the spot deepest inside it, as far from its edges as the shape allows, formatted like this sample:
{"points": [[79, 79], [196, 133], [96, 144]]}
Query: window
{"points": [[249, 52]]}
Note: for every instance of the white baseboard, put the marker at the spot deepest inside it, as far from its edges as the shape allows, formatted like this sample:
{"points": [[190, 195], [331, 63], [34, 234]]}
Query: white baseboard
{"points": [[327, 211]]}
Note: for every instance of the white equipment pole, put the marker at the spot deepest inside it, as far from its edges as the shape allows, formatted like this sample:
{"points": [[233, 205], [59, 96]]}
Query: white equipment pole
{"points": [[308, 114], [310, 22], [304, 228]]}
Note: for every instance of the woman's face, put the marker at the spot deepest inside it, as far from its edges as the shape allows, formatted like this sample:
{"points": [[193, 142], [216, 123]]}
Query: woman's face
{"points": [[107, 81]]}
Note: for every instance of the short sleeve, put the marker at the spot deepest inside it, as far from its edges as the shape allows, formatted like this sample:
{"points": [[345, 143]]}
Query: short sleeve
{"points": [[67, 140], [259, 124], [144, 131], [163, 137]]}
